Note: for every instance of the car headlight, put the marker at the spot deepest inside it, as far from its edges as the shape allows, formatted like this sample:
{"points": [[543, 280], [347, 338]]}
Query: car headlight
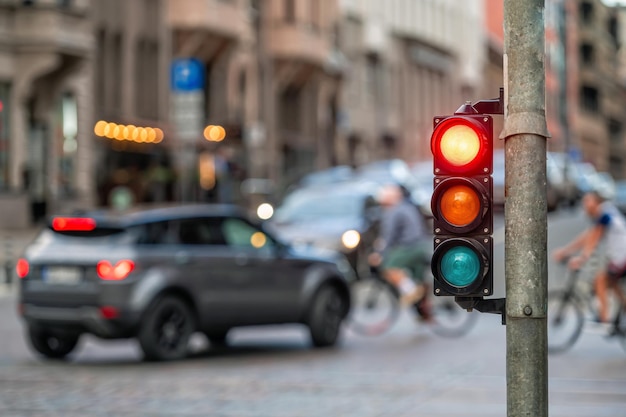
{"points": [[265, 211], [351, 239]]}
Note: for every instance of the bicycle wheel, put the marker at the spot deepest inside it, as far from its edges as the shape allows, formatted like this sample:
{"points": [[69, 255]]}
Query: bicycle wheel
{"points": [[449, 319], [621, 330], [375, 307], [565, 320]]}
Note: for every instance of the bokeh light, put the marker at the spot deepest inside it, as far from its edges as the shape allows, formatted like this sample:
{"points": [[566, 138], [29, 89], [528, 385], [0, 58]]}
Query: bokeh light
{"points": [[131, 133]]}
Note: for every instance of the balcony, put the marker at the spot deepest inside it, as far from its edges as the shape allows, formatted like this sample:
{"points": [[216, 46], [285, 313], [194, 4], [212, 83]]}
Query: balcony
{"points": [[227, 19], [44, 28], [299, 43]]}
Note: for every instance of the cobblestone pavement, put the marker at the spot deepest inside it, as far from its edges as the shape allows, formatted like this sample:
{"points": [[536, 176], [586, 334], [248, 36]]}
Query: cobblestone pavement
{"points": [[274, 372]]}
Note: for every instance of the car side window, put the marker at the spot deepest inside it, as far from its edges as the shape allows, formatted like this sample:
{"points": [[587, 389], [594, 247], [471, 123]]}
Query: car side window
{"points": [[202, 231], [157, 233], [241, 234]]}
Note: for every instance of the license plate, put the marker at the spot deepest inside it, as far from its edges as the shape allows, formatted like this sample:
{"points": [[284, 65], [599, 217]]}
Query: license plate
{"points": [[62, 275]]}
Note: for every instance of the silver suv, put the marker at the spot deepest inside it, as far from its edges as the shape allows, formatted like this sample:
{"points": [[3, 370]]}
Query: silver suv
{"points": [[160, 275]]}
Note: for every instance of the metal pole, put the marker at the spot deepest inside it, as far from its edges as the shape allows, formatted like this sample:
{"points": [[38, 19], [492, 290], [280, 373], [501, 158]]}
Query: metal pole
{"points": [[525, 133]]}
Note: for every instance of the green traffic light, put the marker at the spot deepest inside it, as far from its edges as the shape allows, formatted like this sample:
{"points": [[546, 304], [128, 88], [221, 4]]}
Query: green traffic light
{"points": [[460, 266]]}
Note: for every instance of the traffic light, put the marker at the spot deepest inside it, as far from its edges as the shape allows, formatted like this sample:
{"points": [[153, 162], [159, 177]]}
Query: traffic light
{"points": [[462, 147]]}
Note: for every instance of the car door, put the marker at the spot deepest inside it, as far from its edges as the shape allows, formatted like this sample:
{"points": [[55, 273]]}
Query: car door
{"points": [[213, 273], [183, 252], [267, 285]]}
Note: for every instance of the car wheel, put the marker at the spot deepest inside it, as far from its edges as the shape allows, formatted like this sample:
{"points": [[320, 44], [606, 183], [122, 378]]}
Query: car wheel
{"points": [[50, 344], [166, 330], [325, 317], [217, 338]]}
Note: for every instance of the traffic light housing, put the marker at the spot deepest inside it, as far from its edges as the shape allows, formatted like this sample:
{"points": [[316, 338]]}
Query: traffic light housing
{"points": [[462, 147]]}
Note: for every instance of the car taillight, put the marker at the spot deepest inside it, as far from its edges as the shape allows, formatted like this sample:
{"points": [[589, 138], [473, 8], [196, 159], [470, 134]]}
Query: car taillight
{"points": [[107, 271], [109, 312], [73, 224], [22, 267]]}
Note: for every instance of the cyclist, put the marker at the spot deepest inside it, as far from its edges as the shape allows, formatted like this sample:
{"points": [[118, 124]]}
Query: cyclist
{"points": [[609, 224], [401, 248]]}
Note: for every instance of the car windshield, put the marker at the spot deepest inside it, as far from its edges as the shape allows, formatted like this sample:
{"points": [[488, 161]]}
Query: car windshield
{"points": [[306, 206]]}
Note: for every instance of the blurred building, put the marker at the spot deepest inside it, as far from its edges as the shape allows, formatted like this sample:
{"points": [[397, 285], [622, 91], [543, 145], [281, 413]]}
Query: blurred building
{"points": [[268, 71], [130, 88], [46, 107], [597, 113], [271, 77], [296, 84], [494, 66], [408, 61], [585, 82]]}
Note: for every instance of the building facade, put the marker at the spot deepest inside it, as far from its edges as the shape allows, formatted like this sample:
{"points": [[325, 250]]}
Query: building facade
{"points": [[599, 105], [586, 104], [268, 71], [407, 63], [296, 84], [46, 107], [271, 77]]}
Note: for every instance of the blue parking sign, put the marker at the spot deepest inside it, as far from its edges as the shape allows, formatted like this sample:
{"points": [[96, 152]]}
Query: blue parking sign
{"points": [[187, 74]]}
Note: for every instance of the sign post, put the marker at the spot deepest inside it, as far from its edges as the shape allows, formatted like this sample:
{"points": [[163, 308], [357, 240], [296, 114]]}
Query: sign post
{"points": [[187, 114]]}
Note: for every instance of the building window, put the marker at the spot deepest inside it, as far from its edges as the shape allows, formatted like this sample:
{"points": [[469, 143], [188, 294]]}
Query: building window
{"points": [[372, 70], [586, 53], [290, 110], [67, 143], [586, 12], [100, 82], [589, 99], [146, 79], [614, 128], [4, 135], [315, 15], [613, 28], [116, 71], [290, 11]]}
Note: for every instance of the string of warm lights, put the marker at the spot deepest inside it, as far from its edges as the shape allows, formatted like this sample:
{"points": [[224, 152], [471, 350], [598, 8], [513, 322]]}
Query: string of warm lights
{"points": [[128, 132], [214, 133]]}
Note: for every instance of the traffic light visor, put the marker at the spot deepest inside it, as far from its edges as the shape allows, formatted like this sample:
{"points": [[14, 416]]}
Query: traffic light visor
{"points": [[461, 144]]}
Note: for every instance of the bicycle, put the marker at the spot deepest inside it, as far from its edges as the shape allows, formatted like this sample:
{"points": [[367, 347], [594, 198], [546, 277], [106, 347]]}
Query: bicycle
{"points": [[376, 308], [568, 308]]}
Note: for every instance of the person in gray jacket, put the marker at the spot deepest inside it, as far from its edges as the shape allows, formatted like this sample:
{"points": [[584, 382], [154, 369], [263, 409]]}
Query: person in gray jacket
{"points": [[402, 248]]}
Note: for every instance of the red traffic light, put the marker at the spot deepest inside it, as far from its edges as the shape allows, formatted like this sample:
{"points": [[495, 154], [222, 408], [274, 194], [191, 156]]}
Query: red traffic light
{"points": [[462, 144]]}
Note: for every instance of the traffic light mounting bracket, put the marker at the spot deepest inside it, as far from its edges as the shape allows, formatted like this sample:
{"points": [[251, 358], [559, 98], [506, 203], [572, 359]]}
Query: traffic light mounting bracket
{"points": [[488, 106], [492, 305]]}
